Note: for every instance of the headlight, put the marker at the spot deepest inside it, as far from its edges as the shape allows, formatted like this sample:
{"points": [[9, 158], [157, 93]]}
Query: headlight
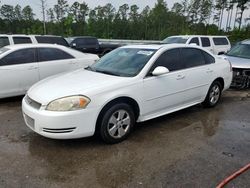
{"points": [[68, 103]]}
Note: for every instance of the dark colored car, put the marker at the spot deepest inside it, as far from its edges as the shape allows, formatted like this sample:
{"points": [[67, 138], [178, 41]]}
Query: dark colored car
{"points": [[90, 44], [52, 40]]}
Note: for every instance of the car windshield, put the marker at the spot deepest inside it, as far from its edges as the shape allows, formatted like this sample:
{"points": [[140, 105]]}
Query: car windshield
{"points": [[172, 40], [2, 50], [240, 50], [127, 62]]}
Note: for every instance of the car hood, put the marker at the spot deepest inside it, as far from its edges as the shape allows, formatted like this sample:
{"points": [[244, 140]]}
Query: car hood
{"points": [[80, 82], [238, 62]]}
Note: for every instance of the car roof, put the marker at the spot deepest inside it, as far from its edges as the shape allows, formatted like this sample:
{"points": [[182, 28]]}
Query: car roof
{"points": [[21, 46], [158, 46], [246, 41], [88, 37], [24, 35], [187, 36]]}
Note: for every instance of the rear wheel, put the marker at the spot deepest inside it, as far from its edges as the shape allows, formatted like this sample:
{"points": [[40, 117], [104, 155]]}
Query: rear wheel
{"points": [[117, 123], [213, 95]]}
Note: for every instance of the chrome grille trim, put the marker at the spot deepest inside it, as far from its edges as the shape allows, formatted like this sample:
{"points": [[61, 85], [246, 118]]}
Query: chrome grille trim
{"points": [[66, 130], [32, 103]]}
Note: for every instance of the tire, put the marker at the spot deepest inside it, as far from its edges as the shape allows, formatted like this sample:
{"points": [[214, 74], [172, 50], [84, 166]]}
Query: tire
{"points": [[117, 123], [213, 95]]}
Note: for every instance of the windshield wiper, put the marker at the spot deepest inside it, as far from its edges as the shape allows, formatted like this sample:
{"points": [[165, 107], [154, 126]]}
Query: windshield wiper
{"points": [[90, 68], [107, 72]]}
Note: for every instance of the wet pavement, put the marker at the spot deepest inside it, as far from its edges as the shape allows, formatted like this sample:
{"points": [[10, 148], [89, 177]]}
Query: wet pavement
{"points": [[195, 147]]}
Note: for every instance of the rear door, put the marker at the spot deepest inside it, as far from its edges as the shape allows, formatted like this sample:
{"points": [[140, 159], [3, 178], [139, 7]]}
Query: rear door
{"points": [[166, 92], [53, 61], [18, 72], [198, 72]]}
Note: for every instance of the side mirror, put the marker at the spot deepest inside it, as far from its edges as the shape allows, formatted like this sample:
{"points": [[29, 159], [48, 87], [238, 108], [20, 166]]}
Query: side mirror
{"points": [[193, 44], [73, 45], [221, 53], [160, 71]]}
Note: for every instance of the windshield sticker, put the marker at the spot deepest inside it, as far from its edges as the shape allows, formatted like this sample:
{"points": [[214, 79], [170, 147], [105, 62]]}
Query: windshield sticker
{"points": [[147, 53]]}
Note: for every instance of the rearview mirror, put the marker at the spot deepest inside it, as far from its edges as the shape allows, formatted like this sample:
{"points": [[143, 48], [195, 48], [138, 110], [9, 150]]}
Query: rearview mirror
{"points": [[160, 71]]}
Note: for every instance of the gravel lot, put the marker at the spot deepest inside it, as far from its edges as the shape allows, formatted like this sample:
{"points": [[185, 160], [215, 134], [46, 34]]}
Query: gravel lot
{"points": [[195, 147]]}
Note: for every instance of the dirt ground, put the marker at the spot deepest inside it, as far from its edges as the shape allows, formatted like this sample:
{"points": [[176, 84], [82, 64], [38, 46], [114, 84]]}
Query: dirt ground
{"points": [[195, 147]]}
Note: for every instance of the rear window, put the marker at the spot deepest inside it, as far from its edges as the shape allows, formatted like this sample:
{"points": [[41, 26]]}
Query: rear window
{"points": [[220, 41], [21, 40], [52, 40], [4, 41]]}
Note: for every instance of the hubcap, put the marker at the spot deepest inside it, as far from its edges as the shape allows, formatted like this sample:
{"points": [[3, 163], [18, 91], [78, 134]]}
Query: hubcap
{"points": [[119, 124], [214, 94]]}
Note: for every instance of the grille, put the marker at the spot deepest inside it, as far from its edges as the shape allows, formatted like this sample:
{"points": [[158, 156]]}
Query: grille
{"points": [[58, 131], [32, 103], [29, 121], [241, 78], [246, 72]]}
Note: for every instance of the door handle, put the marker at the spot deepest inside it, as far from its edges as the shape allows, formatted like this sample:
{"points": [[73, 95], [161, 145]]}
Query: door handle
{"points": [[209, 71], [72, 63], [180, 77], [32, 68]]}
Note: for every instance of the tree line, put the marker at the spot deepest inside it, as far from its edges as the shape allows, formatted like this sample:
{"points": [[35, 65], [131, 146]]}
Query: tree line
{"points": [[208, 17]]}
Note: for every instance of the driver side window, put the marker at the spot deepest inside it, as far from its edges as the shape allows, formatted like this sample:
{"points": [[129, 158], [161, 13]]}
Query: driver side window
{"points": [[169, 59]]}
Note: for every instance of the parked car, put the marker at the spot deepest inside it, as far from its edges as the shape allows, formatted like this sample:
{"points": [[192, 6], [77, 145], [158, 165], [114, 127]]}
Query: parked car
{"points": [[216, 44], [90, 44], [130, 84], [6, 40], [239, 56], [25, 64]]}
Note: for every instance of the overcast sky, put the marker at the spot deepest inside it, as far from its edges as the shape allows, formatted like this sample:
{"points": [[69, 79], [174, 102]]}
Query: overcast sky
{"points": [[92, 3], [35, 4]]}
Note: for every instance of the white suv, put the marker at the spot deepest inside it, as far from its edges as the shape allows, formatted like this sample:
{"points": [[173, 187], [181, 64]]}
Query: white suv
{"points": [[6, 40], [216, 44]]}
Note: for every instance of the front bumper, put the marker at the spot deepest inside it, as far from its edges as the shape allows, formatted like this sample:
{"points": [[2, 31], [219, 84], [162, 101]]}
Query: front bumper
{"points": [[59, 125], [241, 78]]}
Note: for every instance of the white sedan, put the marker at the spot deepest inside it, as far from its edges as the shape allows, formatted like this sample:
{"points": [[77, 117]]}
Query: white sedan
{"points": [[23, 65], [130, 84]]}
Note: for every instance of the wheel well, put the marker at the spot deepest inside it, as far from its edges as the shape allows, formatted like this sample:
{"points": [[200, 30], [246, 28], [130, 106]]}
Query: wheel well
{"points": [[107, 51], [126, 100], [221, 80]]}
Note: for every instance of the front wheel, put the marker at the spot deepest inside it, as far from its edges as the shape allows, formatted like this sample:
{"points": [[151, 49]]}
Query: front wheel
{"points": [[117, 123], [213, 95]]}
